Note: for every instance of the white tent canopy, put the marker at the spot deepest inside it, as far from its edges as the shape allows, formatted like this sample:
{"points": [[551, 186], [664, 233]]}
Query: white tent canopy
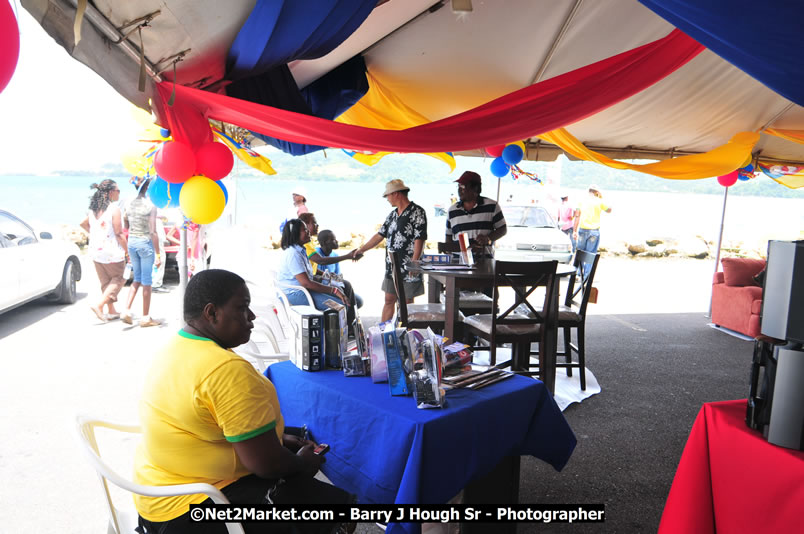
{"points": [[440, 62]]}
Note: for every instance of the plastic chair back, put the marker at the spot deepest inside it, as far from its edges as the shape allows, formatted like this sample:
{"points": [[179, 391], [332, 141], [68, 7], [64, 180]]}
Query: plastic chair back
{"points": [[121, 522]]}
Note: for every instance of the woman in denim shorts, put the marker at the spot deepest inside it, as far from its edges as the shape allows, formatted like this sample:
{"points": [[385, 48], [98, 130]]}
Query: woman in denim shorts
{"points": [[143, 249]]}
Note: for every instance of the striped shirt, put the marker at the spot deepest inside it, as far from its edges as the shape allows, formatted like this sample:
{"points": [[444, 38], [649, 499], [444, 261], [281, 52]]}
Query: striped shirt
{"points": [[485, 218]]}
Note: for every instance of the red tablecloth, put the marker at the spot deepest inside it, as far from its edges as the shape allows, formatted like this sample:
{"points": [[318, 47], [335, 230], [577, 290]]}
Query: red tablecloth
{"points": [[730, 480]]}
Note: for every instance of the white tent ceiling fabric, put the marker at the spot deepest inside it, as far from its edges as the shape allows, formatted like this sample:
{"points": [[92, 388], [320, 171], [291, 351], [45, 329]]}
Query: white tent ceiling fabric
{"points": [[441, 63]]}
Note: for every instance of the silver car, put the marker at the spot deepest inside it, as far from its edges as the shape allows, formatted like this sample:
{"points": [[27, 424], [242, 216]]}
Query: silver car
{"points": [[34, 265], [532, 236]]}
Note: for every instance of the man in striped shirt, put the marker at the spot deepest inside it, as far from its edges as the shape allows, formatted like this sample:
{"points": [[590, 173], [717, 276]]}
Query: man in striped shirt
{"points": [[480, 218]]}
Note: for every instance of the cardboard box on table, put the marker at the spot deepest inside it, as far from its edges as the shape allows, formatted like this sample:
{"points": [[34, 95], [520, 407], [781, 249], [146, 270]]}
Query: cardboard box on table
{"points": [[307, 341]]}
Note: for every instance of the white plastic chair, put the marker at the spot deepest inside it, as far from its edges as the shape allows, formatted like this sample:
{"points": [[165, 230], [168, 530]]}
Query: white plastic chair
{"points": [[262, 349], [125, 521]]}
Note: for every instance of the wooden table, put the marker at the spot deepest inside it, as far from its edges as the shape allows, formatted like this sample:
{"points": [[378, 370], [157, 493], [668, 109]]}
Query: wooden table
{"points": [[481, 276]]}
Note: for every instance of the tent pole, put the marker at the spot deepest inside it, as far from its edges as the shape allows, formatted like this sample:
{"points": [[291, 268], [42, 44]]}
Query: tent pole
{"points": [[498, 189], [181, 259], [719, 243]]}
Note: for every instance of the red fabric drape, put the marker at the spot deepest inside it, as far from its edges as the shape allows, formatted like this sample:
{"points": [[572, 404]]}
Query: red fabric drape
{"points": [[729, 479], [522, 114]]}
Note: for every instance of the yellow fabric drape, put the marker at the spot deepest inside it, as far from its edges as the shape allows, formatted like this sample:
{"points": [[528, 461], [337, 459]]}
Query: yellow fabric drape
{"points": [[797, 136], [717, 162], [247, 156], [380, 108]]}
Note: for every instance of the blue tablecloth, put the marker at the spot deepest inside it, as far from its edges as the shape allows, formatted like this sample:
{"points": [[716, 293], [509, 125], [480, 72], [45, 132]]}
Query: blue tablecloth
{"points": [[386, 450]]}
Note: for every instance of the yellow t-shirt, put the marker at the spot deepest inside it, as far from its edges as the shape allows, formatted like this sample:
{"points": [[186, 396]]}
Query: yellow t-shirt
{"points": [[309, 248], [591, 209], [199, 398]]}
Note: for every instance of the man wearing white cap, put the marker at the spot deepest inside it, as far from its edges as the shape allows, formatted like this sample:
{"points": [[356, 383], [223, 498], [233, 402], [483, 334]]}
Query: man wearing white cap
{"points": [[405, 231], [587, 221]]}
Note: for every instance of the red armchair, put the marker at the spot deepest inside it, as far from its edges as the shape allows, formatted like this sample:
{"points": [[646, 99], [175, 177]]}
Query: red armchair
{"points": [[736, 298]]}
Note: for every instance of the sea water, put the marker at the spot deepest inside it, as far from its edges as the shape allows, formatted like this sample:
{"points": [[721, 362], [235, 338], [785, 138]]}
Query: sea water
{"points": [[261, 204]]}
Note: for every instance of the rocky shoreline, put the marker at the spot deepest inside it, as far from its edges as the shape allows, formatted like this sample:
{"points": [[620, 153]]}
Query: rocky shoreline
{"points": [[695, 247]]}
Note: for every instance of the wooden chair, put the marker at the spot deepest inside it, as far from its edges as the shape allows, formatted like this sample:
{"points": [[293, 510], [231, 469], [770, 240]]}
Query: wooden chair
{"points": [[470, 302], [572, 314], [511, 326], [414, 315]]}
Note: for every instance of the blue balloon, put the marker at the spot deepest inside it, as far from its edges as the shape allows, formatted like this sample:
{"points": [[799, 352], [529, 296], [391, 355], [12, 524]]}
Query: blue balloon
{"points": [[743, 177], [175, 190], [225, 192], [164, 132], [499, 168], [158, 192], [512, 154]]}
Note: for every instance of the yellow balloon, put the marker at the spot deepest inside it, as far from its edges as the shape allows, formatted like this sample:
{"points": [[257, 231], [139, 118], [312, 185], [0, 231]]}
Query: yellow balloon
{"points": [[135, 162], [201, 200], [150, 130], [520, 144]]}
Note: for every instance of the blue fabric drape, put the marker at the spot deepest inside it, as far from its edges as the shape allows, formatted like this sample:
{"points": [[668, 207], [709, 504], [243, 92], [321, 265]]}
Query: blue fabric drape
{"points": [[279, 31], [326, 98], [763, 39]]}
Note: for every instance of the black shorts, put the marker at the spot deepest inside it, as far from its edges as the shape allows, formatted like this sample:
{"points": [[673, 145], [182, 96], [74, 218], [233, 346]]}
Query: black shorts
{"points": [[255, 490]]}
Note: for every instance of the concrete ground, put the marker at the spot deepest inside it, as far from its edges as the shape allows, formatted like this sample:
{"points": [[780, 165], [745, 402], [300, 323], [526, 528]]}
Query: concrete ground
{"points": [[649, 346]]}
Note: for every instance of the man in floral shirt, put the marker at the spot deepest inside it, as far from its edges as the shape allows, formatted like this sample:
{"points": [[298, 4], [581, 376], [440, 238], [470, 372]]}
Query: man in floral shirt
{"points": [[405, 231]]}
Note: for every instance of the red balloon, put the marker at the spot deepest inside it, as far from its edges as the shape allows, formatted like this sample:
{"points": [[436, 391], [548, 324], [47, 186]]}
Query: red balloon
{"points": [[9, 44], [214, 160], [175, 162], [728, 180], [495, 151]]}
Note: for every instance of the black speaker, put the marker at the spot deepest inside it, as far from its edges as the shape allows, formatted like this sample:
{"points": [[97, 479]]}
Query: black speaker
{"points": [[783, 291]]}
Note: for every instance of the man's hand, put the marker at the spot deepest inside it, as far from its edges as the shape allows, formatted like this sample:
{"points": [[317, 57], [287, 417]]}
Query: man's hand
{"points": [[312, 461], [294, 442], [483, 240], [356, 255]]}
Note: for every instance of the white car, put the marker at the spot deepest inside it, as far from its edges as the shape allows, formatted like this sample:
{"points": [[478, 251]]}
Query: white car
{"points": [[532, 236], [34, 265]]}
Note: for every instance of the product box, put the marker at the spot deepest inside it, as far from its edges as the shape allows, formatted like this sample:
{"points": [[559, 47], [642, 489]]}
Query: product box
{"points": [[398, 361], [306, 345], [336, 334], [436, 258]]}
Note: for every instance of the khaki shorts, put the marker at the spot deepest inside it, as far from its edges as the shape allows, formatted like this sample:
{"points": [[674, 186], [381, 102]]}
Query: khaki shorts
{"points": [[412, 289]]}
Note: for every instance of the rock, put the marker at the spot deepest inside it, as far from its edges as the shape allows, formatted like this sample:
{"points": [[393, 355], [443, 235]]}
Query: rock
{"points": [[76, 234], [636, 248], [694, 248], [653, 242]]}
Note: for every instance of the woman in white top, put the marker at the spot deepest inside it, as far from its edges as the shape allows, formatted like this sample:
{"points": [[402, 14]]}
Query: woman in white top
{"points": [[107, 245], [295, 269]]}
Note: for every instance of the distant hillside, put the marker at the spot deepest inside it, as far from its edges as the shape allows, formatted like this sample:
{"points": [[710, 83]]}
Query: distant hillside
{"points": [[333, 164]]}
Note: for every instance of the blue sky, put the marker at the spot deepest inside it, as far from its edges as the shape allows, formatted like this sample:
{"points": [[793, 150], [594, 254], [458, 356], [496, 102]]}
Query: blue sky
{"points": [[57, 113]]}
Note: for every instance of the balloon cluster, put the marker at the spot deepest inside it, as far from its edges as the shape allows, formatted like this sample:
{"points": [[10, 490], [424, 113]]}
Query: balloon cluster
{"points": [[744, 173], [505, 157], [193, 176], [187, 167]]}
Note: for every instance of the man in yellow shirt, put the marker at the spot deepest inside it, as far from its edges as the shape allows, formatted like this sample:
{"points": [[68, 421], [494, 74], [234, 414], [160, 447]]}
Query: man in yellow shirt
{"points": [[586, 230], [208, 416]]}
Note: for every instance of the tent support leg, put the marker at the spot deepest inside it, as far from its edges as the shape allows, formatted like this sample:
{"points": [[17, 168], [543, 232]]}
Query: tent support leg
{"points": [[719, 243]]}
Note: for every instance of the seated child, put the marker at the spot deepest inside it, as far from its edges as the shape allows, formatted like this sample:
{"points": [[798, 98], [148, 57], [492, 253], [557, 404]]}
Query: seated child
{"points": [[327, 243]]}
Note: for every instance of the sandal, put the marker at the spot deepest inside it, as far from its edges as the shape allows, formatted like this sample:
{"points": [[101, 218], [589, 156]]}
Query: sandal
{"points": [[126, 319], [98, 313], [112, 316], [150, 322]]}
